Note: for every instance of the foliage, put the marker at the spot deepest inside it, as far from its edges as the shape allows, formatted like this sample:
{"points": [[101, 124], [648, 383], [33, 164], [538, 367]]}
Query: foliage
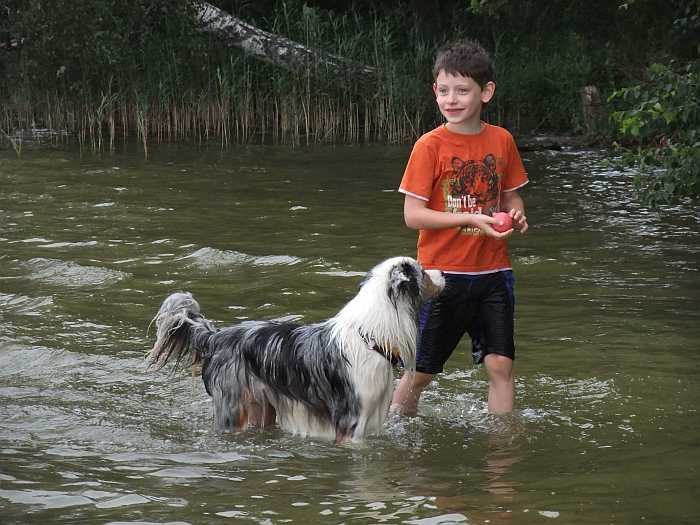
{"points": [[141, 68], [81, 47], [661, 119]]}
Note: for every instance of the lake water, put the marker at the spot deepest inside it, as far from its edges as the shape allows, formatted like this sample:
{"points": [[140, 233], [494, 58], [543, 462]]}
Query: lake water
{"points": [[608, 332]]}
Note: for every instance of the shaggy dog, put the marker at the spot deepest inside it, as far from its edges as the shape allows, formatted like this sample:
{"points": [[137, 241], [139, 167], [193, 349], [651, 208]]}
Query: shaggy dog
{"points": [[332, 379]]}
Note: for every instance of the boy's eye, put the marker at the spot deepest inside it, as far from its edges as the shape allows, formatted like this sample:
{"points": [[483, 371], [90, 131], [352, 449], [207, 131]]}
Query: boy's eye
{"points": [[463, 91]]}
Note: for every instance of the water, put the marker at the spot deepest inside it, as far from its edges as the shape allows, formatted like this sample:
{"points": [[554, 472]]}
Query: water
{"points": [[607, 321]]}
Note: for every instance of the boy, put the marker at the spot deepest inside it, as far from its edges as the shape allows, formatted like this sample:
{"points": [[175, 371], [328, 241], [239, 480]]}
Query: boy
{"points": [[457, 176]]}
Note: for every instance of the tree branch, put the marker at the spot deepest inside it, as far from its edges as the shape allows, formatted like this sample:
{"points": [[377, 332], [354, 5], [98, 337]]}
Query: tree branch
{"points": [[273, 48]]}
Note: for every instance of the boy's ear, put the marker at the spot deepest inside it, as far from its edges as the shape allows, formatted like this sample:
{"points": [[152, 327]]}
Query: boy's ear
{"points": [[435, 88], [487, 92]]}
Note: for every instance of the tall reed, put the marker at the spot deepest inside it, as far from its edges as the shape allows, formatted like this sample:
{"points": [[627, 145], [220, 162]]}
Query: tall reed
{"points": [[182, 87]]}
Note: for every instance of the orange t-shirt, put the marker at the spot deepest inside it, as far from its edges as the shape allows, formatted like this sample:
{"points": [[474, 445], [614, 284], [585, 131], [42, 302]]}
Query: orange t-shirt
{"points": [[458, 173]]}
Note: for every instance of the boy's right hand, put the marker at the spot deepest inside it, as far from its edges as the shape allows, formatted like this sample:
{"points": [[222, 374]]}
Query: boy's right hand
{"points": [[484, 222], [418, 216]]}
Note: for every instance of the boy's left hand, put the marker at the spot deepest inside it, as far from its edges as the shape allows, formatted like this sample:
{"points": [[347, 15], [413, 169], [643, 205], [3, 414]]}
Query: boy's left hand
{"points": [[519, 220]]}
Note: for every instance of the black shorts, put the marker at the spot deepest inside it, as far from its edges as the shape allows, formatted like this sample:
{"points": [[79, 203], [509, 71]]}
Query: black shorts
{"points": [[481, 305]]}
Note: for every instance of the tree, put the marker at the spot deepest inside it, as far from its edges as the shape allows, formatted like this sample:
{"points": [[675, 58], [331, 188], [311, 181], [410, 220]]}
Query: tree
{"points": [[273, 48]]}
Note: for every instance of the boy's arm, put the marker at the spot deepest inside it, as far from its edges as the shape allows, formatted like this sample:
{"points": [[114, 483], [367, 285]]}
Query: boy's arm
{"points": [[419, 217], [513, 205]]}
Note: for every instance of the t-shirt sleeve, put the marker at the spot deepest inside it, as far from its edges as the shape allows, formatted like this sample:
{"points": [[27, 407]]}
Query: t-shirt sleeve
{"points": [[516, 177], [418, 177]]}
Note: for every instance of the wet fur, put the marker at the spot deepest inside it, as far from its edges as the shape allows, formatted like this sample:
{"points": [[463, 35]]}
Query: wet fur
{"points": [[331, 379]]}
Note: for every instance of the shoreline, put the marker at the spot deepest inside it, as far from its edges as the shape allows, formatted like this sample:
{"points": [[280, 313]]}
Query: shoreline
{"points": [[545, 141], [48, 138]]}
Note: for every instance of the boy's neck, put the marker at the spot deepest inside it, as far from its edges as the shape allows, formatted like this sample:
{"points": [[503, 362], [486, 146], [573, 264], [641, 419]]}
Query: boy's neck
{"points": [[466, 128]]}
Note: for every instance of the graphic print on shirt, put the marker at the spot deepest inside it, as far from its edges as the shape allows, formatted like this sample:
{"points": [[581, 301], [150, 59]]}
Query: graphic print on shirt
{"points": [[472, 187]]}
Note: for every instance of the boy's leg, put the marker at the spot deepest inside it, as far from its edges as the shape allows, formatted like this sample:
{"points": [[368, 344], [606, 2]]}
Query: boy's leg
{"points": [[501, 389], [407, 394], [441, 326], [492, 339]]}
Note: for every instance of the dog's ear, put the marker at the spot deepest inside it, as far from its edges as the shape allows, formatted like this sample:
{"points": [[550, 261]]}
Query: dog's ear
{"points": [[403, 279]]}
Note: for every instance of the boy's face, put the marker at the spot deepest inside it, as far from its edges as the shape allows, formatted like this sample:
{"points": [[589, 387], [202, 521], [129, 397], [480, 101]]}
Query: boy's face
{"points": [[460, 99]]}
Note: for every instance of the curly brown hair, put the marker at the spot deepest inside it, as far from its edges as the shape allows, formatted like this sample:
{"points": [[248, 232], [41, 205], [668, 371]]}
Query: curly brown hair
{"points": [[467, 58]]}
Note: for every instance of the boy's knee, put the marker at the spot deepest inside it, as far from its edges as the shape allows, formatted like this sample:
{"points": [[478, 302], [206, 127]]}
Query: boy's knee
{"points": [[418, 380], [405, 401], [499, 367]]}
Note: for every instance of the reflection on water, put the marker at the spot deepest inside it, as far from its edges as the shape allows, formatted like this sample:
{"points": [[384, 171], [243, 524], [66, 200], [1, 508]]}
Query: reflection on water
{"points": [[607, 323]]}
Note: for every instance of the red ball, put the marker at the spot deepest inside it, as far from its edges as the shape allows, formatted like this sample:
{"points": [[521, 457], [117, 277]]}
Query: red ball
{"points": [[505, 222]]}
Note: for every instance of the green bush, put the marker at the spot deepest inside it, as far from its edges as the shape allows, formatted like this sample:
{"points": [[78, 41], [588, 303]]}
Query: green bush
{"points": [[659, 121]]}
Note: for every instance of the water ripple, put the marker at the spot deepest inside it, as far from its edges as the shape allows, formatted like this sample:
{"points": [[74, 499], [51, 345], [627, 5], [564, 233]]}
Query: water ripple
{"points": [[66, 244], [21, 304], [187, 458], [51, 499], [72, 275], [212, 258]]}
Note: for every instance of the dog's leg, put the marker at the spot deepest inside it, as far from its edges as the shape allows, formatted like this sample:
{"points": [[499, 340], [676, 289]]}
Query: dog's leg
{"points": [[269, 415], [230, 412], [248, 411], [347, 429], [259, 413], [242, 421], [340, 437], [255, 414]]}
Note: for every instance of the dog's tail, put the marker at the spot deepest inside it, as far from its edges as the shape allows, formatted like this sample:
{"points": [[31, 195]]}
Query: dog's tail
{"points": [[182, 333]]}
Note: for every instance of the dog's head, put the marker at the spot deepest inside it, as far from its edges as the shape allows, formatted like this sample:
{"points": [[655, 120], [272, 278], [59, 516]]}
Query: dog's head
{"points": [[385, 311], [405, 279]]}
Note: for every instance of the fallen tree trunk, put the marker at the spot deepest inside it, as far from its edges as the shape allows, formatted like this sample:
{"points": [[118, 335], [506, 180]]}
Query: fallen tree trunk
{"points": [[264, 45], [276, 49]]}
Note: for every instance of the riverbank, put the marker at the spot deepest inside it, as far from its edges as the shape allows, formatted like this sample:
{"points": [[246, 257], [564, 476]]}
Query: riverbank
{"points": [[41, 139]]}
